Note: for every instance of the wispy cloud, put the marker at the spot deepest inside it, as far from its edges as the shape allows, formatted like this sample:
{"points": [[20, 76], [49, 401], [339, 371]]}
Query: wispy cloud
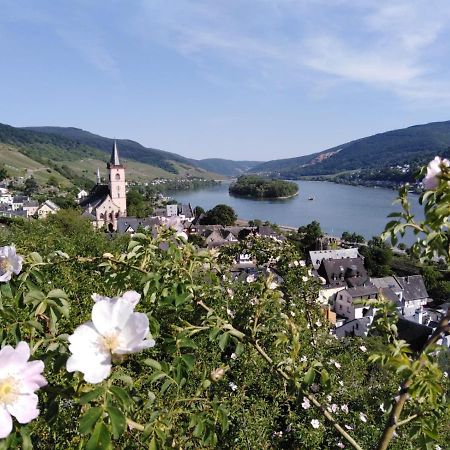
{"points": [[393, 45]]}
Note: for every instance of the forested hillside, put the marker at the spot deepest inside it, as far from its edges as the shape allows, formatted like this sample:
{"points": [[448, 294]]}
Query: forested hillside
{"points": [[416, 144]]}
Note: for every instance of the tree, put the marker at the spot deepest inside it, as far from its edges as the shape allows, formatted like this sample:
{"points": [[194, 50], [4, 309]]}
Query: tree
{"points": [[31, 186], [3, 173], [220, 215], [377, 257], [307, 237], [352, 237], [137, 205], [198, 211]]}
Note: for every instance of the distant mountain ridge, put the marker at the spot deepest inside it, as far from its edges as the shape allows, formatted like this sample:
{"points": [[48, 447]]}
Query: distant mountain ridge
{"points": [[133, 150], [415, 144]]}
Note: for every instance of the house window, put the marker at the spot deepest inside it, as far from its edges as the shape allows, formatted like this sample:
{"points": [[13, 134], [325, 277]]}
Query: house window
{"points": [[117, 176]]}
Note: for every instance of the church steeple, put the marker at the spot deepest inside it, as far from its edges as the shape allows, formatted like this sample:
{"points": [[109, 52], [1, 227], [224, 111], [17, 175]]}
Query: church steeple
{"points": [[117, 184], [114, 160], [99, 180]]}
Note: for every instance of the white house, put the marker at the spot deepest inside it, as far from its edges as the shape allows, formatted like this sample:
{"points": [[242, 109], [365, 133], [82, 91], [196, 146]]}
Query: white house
{"points": [[347, 302], [48, 207], [82, 194]]}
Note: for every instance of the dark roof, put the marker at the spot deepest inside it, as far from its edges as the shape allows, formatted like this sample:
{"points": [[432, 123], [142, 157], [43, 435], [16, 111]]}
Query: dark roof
{"points": [[96, 196], [31, 203], [343, 272], [123, 223], [185, 210], [390, 295], [413, 287], [387, 282], [20, 198], [89, 215], [361, 291], [348, 328], [414, 333], [114, 160]]}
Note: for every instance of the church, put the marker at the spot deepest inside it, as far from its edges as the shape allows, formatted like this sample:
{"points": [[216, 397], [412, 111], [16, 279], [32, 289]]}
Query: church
{"points": [[107, 202]]}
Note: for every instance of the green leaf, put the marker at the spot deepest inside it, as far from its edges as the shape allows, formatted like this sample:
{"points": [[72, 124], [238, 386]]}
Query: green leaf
{"points": [[153, 444], [121, 396], [34, 295], [189, 360], [152, 363], [89, 419], [26, 439], [5, 290], [118, 421], [57, 293], [91, 395], [223, 341], [309, 376], [100, 439]]}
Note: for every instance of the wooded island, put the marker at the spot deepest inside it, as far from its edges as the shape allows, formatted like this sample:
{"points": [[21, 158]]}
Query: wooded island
{"points": [[258, 187]]}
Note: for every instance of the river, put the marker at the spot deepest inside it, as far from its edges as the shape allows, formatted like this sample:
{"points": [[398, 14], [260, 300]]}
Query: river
{"points": [[337, 207]]}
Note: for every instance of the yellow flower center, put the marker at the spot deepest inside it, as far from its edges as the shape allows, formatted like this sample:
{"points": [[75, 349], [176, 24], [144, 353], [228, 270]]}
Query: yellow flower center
{"points": [[110, 342], [5, 265], [8, 392]]}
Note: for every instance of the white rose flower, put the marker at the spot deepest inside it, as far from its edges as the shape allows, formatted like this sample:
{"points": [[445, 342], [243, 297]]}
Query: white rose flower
{"points": [[250, 279], [10, 263], [315, 423], [431, 180], [305, 403], [19, 380], [115, 329], [344, 409], [362, 417], [233, 386]]}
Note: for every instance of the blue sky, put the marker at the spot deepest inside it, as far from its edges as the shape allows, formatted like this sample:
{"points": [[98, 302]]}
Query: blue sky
{"points": [[239, 79]]}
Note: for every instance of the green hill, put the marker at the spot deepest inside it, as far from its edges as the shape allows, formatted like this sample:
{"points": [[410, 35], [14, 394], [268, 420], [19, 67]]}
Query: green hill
{"points": [[74, 161], [167, 161], [413, 145]]}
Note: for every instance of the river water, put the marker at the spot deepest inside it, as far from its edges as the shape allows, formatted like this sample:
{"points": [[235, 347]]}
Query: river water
{"points": [[337, 207]]}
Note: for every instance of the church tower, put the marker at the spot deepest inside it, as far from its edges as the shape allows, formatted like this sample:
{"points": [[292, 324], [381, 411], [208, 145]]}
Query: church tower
{"points": [[117, 187]]}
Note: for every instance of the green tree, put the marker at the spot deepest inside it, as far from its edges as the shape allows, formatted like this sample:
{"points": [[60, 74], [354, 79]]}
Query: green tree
{"points": [[308, 236], [31, 186], [352, 237], [220, 215], [137, 205], [198, 211], [377, 257], [3, 173]]}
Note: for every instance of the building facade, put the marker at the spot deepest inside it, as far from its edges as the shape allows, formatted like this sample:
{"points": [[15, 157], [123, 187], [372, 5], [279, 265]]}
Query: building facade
{"points": [[107, 202]]}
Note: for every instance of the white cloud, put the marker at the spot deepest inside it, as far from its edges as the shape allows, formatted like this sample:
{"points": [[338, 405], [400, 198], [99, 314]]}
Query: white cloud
{"points": [[393, 45]]}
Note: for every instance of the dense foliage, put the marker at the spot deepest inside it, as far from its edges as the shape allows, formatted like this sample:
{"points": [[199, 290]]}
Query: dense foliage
{"points": [[238, 362], [137, 204], [219, 215], [258, 187]]}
